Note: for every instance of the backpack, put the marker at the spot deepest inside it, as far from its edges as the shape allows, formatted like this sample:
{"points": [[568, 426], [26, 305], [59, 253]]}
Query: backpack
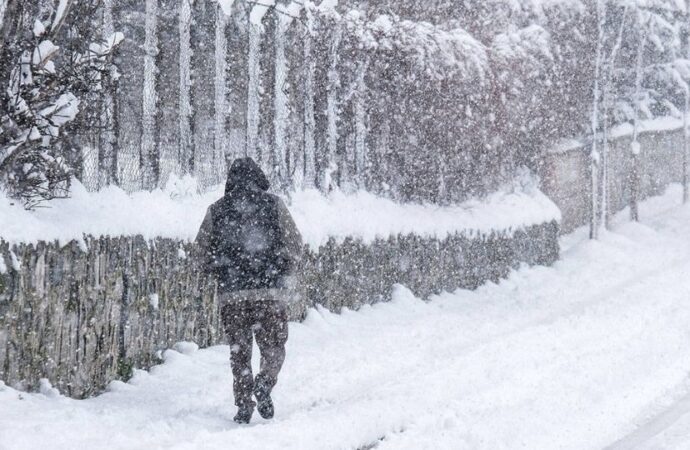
{"points": [[246, 242]]}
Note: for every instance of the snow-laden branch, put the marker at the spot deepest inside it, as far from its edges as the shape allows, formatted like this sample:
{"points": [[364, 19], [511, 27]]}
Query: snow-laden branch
{"points": [[42, 96]]}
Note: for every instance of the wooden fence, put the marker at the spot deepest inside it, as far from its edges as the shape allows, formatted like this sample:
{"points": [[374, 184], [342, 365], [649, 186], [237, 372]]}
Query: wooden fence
{"points": [[86, 313]]}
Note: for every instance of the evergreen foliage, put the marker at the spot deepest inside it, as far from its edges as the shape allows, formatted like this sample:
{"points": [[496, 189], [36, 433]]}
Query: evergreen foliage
{"points": [[52, 66]]}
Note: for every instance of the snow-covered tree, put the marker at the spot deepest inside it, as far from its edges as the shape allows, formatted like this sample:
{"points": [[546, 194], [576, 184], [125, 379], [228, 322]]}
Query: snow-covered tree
{"points": [[42, 87], [654, 81], [432, 101]]}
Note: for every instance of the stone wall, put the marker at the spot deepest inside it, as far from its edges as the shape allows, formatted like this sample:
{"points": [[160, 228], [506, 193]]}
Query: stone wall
{"points": [[566, 173]]}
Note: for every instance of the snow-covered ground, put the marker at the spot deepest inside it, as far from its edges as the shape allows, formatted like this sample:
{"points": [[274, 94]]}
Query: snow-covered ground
{"points": [[592, 352]]}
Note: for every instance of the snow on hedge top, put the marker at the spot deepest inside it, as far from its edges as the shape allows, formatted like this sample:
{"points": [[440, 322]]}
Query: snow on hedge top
{"points": [[367, 216], [177, 212]]}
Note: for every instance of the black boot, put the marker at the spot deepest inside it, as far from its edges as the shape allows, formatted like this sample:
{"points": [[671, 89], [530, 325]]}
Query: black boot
{"points": [[264, 402], [244, 414]]}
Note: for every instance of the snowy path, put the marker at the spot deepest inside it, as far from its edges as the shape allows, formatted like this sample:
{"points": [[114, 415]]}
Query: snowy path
{"points": [[591, 353]]}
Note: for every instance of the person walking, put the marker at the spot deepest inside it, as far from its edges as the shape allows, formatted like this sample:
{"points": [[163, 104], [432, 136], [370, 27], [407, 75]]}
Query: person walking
{"points": [[249, 243]]}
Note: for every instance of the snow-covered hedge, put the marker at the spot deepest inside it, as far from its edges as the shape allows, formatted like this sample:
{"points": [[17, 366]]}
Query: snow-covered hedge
{"points": [[86, 313], [83, 310]]}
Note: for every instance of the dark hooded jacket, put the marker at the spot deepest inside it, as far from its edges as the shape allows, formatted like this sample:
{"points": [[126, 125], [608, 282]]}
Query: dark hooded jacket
{"points": [[248, 239]]}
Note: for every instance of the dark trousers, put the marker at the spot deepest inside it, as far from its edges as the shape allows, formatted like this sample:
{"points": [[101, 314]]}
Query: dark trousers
{"points": [[245, 317]]}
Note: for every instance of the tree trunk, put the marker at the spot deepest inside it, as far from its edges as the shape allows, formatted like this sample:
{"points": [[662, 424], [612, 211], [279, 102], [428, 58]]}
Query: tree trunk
{"points": [[605, 196], [685, 147], [168, 89], [107, 160], [280, 102], [686, 132], [594, 156], [332, 112], [254, 88], [361, 154], [186, 152], [128, 19], [203, 97], [220, 104], [309, 119], [608, 78], [149, 147], [635, 145]]}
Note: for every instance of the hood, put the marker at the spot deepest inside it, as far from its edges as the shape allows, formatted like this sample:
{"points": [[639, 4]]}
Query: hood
{"points": [[247, 175]]}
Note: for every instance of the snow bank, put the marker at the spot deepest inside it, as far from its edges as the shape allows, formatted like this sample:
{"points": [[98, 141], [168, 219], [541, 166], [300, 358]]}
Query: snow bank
{"points": [[177, 212]]}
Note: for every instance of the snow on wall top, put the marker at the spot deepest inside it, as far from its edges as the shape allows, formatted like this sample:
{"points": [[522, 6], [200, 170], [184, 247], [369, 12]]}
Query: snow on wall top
{"points": [[177, 212], [624, 129]]}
